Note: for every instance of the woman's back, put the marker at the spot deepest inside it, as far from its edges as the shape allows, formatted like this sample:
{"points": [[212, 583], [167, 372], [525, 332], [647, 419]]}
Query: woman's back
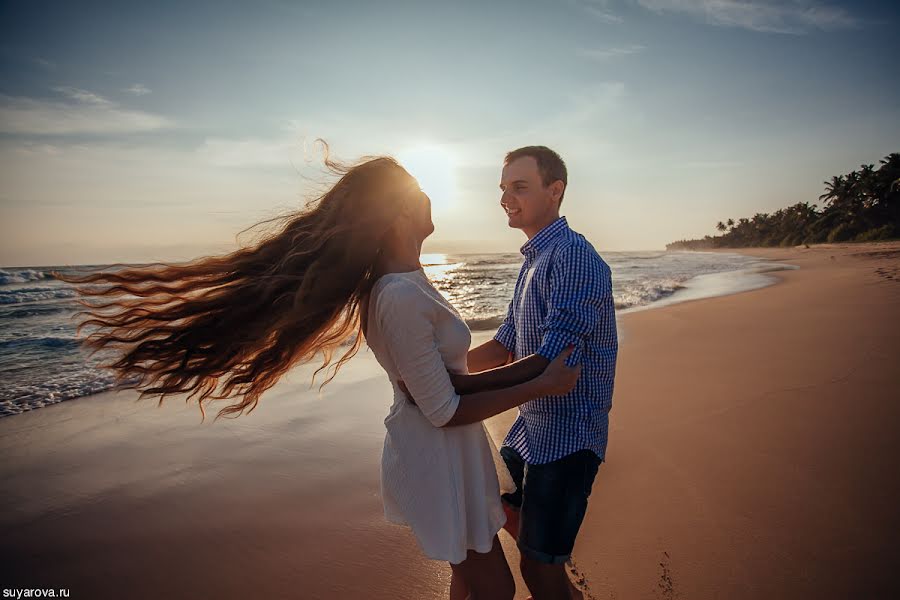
{"points": [[441, 481]]}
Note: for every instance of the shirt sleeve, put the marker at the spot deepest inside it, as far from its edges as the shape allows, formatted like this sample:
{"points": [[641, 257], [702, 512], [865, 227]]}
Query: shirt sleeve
{"points": [[405, 321], [579, 282], [506, 334]]}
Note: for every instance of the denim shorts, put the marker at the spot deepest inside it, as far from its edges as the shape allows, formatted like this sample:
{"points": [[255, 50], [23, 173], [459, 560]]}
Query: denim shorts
{"points": [[551, 499]]}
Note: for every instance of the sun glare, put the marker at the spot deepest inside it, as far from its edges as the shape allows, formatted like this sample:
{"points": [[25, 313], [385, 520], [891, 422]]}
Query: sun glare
{"points": [[434, 168]]}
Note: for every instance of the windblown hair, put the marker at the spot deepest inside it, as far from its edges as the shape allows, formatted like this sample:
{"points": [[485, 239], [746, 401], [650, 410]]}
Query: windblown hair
{"points": [[244, 319]]}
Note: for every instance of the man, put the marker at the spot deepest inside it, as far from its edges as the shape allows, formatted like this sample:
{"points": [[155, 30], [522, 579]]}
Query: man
{"points": [[563, 297]]}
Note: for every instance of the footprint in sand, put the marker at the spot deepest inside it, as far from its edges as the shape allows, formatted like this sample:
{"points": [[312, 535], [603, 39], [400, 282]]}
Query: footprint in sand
{"points": [[890, 273], [666, 583], [580, 580]]}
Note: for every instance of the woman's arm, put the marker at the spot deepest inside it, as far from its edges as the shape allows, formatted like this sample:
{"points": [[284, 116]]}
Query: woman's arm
{"points": [[501, 377], [405, 319], [556, 380]]}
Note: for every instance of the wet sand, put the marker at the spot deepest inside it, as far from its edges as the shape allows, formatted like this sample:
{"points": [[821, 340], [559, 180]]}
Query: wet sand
{"points": [[753, 453]]}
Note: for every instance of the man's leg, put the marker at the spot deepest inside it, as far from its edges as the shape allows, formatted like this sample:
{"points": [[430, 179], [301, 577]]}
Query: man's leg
{"points": [[512, 502], [554, 502], [548, 582], [512, 521]]}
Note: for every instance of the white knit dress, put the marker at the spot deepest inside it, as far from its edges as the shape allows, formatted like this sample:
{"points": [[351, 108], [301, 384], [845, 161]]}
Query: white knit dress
{"points": [[442, 482]]}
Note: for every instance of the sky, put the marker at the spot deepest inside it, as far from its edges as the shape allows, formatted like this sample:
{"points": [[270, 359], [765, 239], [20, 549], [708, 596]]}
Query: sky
{"points": [[135, 132]]}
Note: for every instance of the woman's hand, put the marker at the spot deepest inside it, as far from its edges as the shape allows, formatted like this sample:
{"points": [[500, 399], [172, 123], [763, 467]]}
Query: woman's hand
{"points": [[558, 379], [405, 391], [455, 379]]}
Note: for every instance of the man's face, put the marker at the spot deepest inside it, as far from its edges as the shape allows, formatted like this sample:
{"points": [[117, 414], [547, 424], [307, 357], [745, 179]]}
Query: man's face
{"points": [[528, 204]]}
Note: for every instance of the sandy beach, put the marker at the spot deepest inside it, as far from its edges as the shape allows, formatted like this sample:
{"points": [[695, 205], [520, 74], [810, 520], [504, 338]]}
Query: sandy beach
{"points": [[754, 453]]}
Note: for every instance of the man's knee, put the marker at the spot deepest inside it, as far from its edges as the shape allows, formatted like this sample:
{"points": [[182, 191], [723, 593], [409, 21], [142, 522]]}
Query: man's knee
{"points": [[543, 579], [535, 569]]}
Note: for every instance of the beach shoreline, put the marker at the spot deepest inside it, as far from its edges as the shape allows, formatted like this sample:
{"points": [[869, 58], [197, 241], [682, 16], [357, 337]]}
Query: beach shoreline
{"points": [[735, 467], [38, 336]]}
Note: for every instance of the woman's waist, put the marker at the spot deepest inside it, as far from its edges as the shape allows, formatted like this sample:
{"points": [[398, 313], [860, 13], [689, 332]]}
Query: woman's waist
{"points": [[404, 417]]}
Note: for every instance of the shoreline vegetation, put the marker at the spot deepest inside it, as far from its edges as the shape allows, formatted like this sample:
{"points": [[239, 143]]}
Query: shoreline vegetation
{"points": [[861, 206]]}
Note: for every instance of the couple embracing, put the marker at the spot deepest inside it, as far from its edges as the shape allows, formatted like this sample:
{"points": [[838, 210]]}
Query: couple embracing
{"points": [[346, 267], [553, 357]]}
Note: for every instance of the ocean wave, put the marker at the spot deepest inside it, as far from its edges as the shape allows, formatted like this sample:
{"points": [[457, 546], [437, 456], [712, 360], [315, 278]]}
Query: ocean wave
{"points": [[508, 264], [484, 323], [615, 257], [22, 397], [39, 342], [45, 365], [443, 266], [647, 292], [36, 310], [768, 268], [34, 294], [22, 276]]}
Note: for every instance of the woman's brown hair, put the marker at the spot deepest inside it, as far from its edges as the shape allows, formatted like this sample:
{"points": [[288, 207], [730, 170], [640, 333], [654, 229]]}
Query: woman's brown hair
{"points": [[244, 319]]}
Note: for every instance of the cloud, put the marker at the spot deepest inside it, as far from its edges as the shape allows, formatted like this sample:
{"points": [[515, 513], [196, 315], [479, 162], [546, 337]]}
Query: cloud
{"points": [[138, 89], [82, 112], [608, 53], [605, 15], [251, 152], [576, 125], [82, 96], [294, 149], [295, 146], [600, 10], [771, 16], [43, 62]]}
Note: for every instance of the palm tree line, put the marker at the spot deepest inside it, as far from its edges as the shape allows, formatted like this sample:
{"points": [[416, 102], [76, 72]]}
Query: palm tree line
{"points": [[862, 206]]}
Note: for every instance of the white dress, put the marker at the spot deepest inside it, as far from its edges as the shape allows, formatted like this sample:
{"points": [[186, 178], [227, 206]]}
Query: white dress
{"points": [[442, 482]]}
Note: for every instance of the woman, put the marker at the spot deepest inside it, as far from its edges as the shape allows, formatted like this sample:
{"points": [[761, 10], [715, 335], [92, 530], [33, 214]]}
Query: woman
{"points": [[345, 267]]}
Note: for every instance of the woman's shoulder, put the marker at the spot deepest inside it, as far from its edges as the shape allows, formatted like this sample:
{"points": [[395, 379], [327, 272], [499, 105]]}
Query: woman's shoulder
{"points": [[397, 289], [396, 283]]}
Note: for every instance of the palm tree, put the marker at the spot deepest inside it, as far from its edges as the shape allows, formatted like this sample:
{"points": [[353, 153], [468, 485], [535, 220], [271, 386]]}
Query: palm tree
{"points": [[859, 206], [868, 188], [833, 189]]}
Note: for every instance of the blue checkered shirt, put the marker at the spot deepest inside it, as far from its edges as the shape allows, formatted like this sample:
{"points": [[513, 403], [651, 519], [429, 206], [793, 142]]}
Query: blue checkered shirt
{"points": [[563, 297]]}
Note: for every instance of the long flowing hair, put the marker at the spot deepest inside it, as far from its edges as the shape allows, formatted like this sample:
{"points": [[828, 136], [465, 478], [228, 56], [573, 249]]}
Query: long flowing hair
{"points": [[240, 321]]}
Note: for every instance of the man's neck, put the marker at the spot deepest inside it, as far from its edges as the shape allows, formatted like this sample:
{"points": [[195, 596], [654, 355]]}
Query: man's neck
{"points": [[533, 230]]}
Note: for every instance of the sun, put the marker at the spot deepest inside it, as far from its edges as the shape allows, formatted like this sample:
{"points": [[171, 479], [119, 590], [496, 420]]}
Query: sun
{"points": [[434, 167]]}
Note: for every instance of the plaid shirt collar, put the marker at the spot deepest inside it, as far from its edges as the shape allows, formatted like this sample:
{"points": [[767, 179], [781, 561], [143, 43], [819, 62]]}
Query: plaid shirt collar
{"points": [[544, 238]]}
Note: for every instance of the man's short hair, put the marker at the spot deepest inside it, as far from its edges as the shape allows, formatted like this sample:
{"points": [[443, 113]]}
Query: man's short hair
{"points": [[550, 165]]}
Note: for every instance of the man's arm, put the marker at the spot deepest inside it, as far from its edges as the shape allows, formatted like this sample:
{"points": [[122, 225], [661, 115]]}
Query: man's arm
{"points": [[579, 283], [488, 355], [498, 351]]}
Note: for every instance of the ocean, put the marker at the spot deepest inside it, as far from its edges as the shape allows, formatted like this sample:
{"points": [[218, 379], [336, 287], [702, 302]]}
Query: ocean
{"points": [[42, 363]]}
